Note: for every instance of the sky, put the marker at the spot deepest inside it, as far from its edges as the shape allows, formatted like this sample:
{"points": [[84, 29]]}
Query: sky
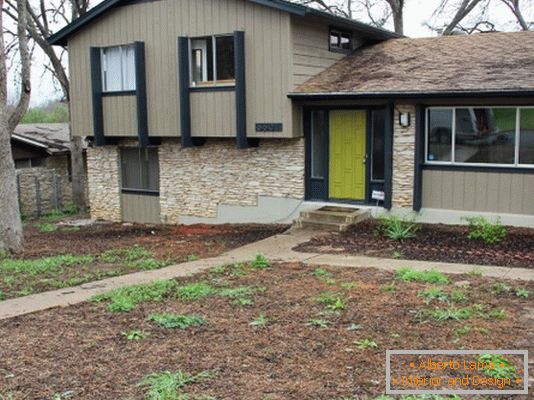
{"points": [[417, 12]]}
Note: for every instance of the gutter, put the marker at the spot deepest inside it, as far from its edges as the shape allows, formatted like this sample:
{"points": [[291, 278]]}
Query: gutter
{"points": [[408, 95]]}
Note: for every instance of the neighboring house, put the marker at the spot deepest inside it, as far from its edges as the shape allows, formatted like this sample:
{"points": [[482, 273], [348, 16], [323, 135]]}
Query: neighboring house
{"points": [[250, 110], [42, 158]]}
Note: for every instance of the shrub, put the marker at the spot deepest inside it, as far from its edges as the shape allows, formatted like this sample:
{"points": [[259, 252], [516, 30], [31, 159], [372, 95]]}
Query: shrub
{"points": [[427, 276], [174, 321], [488, 232], [398, 228]]}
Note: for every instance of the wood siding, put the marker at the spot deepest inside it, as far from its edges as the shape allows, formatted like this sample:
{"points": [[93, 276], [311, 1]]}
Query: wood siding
{"points": [[479, 191], [310, 52], [158, 24], [120, 116], [213, 114], [140, 208]]}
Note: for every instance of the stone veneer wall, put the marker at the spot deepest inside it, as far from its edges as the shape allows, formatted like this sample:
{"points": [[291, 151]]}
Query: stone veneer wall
{"points": [[403, 158], [193, 182], [104, 182]]}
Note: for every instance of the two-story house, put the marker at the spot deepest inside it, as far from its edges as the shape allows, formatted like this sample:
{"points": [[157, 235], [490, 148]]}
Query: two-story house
{"points": [[251, 110]]}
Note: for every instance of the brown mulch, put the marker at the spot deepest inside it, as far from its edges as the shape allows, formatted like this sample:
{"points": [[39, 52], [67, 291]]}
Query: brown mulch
{"points": [[433, 242], [80, 349]]}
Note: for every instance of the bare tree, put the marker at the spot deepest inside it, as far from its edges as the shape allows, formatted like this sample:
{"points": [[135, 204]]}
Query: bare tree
{"points": [[42, 18], [514, 6], [397, 12], [10, 221]]}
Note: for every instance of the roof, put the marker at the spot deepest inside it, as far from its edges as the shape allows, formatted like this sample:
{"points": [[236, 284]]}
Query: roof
{"points": [[52, 138], [491, 63], [60, 38]]}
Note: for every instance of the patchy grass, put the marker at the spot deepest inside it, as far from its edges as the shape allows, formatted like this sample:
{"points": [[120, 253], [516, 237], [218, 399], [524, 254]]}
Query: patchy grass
{"points": [[125, 299], [366, 344], [135, 335], [174, 321], [427, 276], [170, 385], [260, 262]]}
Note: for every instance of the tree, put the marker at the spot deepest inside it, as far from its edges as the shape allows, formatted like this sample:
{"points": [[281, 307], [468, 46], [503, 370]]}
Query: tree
{"points": [[10, 117], [42, 19]]}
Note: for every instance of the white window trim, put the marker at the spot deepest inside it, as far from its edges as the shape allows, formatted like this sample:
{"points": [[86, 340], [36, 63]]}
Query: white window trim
{"points": [[104, 62], [516, 163], [214, 55]]}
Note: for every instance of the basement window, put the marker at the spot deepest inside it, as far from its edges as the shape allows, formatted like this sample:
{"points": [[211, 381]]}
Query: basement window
{"points": [[118, 69], [340, 41], [212, 61], [140, 170]]}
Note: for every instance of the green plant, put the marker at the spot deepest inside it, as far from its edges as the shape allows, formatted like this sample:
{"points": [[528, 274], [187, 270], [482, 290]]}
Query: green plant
{"points": [[398, 254], [126, 255], [476, 271], [260, 262], [43, 265], [502, 367], [70, 209], [47, 228], [238, 269], [366, 344], [457, 296], [331, 301], [348, 285], [398, 228], [174, 321], [501, 288], [427, 276], [389, 288], [321, 272], [260, 322], [49, 114], [451, 313], [194, 291], [150, 264], [485, 230], [125, 299], [318, 323], [354, 327], [243, 301], [2, 296], [169, 385], [433, 293], [193, 257], [134, 335], [218, 270], [498, 314], [520, 292], [462, 331]]}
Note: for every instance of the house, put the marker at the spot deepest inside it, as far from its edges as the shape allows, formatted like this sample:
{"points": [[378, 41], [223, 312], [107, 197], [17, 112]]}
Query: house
{"points": [[251, 110], [42, 159]]}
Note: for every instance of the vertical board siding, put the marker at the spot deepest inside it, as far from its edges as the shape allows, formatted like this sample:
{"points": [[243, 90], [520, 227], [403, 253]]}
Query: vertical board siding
{"points": [[120, 116], [213, 114], [479, 191], [140, 208], [158, 24]]}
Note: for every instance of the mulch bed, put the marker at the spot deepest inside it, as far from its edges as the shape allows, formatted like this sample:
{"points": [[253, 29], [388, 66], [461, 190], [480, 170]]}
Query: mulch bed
{"points": [[446, 243], [80, 349]]}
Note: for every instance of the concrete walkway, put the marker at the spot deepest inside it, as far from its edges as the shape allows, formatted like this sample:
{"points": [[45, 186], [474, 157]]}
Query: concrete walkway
{"points": [[276, 248]]}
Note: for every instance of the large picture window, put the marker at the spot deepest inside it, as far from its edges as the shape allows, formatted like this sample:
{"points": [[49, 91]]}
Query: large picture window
{"points": [[118, 68], [140, 170], [212, 61], [497, 136]]}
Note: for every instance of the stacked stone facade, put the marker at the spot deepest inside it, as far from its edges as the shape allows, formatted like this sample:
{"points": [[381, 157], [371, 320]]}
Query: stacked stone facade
{"points": [[403, 159]]}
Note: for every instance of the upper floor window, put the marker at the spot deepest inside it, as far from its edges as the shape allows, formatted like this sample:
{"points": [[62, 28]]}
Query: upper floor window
{"points": [[212, 61], [498, 136], [340, 40], [118, 68]]}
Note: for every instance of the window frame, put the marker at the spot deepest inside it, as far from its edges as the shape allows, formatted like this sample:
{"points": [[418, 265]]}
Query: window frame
{"points": [[215, 82], [454, 163], [140, 151], [104, 62], [339, 32]]}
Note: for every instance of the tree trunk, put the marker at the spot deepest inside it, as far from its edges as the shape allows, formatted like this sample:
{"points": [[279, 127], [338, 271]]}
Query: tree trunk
{"points": [[78, 173]]}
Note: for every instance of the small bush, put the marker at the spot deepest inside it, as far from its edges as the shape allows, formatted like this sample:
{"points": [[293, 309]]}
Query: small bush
{"points": [[260, 262], [482, 229], [398, 228], [174, 321], [427, 276]]}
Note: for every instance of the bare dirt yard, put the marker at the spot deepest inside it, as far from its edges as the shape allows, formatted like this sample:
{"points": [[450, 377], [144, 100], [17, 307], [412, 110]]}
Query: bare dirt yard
{"points": [[430, 242], [58, 256], [258, 332]]}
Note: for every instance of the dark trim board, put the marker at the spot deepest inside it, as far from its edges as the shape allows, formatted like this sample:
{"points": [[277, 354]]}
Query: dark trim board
{"points": [[240, 90], [477, 168], [96, 88], [119, 94], [141, 96], [184, 92], [388, 156], [419, 157], [212, 89], [140, 192]]}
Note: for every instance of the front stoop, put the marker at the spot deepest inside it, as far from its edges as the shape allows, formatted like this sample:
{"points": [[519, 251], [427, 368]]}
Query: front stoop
{"points": [[331, 218]]}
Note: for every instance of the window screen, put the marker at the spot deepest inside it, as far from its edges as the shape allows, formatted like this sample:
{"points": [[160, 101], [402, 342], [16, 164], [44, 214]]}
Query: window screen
{"points": [[140, 169]]}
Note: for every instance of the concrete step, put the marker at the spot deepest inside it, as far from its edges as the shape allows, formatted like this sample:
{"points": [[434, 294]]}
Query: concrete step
{"points": [[321, 225], [331, 218]]}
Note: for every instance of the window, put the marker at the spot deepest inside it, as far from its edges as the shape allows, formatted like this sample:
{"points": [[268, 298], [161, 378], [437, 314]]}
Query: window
{"points": [[377, 144], [118, 68], [140, 170], [340, 41], [212, 61], [318, 144], [502, 136]]}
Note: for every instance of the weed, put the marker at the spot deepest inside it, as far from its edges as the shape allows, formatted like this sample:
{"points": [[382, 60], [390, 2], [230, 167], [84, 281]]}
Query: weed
{"points": [[169, 385], [501, 288], [503, 368], [485, 230], [366, 344], [524, 293], [331, 301], [354, 327], [451, 313], [398, 254], [497, 314], [47, 228], [238, 269], [135, 335], [70, 209], [318, 323], [464, 330], [174, 321], [477, 272], [126, 255], [389, 288], [125, 299], [321, 272], [260, 262], [427, 276], [218, 270], [193, 257], [260, 322], [43, 265], [457, 296], [238, 292], [243, 301], [348, 285], [150, 264], [195, 291], [54, 216], [398, 228], [431, 294]]}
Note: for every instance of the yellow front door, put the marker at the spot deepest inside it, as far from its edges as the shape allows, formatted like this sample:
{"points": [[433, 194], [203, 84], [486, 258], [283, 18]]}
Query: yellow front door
{"points": [[347, 155]]}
